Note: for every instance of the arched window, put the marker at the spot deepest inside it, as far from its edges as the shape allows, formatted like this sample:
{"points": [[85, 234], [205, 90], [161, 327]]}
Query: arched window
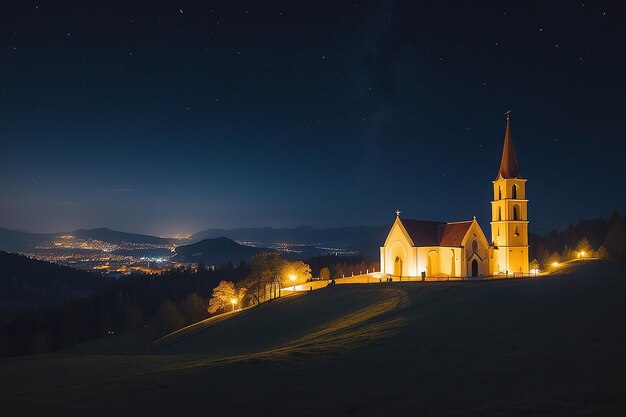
{"points": [[514, 192], [474, 246], [515, 212], [499, 213], [499, 192]]}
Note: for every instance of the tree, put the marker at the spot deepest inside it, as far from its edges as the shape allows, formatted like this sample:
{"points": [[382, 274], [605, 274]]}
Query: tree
{"points": [[168, 318], [325, 274], [338, 271], [277, 272], [534, 265], [568, 253], [615, 240], [194, 308], [223, 295], [298, 269], [551, 263], [259, 277], [602, 253], [583, 249]]}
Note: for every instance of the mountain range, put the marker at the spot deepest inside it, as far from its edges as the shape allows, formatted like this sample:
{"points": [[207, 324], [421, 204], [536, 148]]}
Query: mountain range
{"points": [[342, 236], [19, 241]]}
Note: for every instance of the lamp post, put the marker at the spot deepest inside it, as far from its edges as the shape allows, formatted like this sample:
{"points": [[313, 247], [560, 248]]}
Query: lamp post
{"points": [[293, 278], [233, 302]]}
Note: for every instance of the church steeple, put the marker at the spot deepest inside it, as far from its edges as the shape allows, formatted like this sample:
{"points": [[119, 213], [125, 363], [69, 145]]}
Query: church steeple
{"points": [[509, 214], [508, 164]]}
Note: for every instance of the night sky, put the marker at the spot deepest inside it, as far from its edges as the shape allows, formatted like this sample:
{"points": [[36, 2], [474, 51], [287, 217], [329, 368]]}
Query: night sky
{"points": [[171, 117]]}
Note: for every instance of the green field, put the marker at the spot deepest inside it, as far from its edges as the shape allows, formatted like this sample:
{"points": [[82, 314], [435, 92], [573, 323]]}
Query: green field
{"points": [[546, 346]]}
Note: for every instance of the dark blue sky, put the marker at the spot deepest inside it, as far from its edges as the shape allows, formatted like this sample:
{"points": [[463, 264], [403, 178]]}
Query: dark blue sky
{"points": [[170, 118]]}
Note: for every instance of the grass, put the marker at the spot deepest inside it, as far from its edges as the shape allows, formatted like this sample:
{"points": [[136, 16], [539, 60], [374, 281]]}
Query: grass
{"points": [[546, 346]]}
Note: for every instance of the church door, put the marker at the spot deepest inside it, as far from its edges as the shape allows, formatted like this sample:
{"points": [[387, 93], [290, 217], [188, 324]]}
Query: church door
{"points": [[397, 267], [474, 268], [433, 263]]}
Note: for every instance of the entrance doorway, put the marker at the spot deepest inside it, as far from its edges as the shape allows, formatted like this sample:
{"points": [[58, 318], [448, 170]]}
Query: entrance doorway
{"points": [[433, 263], [397, 267], [474, 268]]}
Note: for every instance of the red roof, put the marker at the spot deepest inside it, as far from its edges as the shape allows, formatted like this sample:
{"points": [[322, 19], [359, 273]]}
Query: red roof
{"points": [[452, 234], [428, 233]]}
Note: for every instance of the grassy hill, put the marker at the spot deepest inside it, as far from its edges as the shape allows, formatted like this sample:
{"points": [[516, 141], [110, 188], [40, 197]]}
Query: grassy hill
{"points": [[550, 346]]}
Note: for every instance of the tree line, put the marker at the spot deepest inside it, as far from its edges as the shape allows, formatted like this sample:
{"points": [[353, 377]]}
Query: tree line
{"points": [[597, 238], [158, 304], [268, 275]]}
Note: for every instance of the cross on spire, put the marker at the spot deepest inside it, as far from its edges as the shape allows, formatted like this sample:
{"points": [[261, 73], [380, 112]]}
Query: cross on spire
{"points": [[508, 114], [398, 213]]}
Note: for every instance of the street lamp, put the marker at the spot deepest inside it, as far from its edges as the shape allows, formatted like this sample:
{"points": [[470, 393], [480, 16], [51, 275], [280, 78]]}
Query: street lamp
{"points": [[233, 302], [293, 278]]}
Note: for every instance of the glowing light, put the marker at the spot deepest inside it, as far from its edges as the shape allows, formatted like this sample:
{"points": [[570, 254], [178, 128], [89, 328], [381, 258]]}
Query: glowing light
{"points": [[293, 278], [233, 301], [555, 264], [534, 271]]}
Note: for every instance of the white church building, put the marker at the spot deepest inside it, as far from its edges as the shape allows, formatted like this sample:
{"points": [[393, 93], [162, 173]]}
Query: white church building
{"points": [[415, 248]]}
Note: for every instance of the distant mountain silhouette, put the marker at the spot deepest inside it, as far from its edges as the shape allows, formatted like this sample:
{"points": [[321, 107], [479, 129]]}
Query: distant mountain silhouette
{"points": [[15, 241], [113, 236], [28, 283], [215, 252], [364, 239], [344, 236], [18, 241]]}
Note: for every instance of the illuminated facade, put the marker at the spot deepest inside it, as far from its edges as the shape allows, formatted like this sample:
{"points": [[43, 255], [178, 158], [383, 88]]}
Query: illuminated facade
{"points": [[459, 249], [509, 214]]}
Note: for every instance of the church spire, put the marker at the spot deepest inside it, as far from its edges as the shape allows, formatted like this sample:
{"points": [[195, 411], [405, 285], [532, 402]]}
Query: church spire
{"points": [[508, 165]]}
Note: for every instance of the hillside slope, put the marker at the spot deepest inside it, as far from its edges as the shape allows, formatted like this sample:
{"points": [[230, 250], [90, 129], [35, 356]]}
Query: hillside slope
{"points": [[548, 346]]}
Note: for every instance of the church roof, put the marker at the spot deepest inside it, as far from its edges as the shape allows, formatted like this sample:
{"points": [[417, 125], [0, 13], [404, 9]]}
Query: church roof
{"points": [[452, 234], [422, 232], [508, 164], [429, 233]]}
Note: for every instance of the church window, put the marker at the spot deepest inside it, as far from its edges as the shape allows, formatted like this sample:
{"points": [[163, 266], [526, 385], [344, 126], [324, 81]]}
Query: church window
{"points": [[499, 192], [498, 230], [515, 212], [516, 231], [499, 213], [514, 192], [474, 246]]}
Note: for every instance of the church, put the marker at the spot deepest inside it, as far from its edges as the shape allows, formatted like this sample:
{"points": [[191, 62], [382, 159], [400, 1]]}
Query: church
{"points": [[416, 248]]}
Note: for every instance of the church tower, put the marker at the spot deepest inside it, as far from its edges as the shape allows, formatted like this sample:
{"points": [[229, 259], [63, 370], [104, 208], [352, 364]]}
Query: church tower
{"points": [[509, 215]]}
